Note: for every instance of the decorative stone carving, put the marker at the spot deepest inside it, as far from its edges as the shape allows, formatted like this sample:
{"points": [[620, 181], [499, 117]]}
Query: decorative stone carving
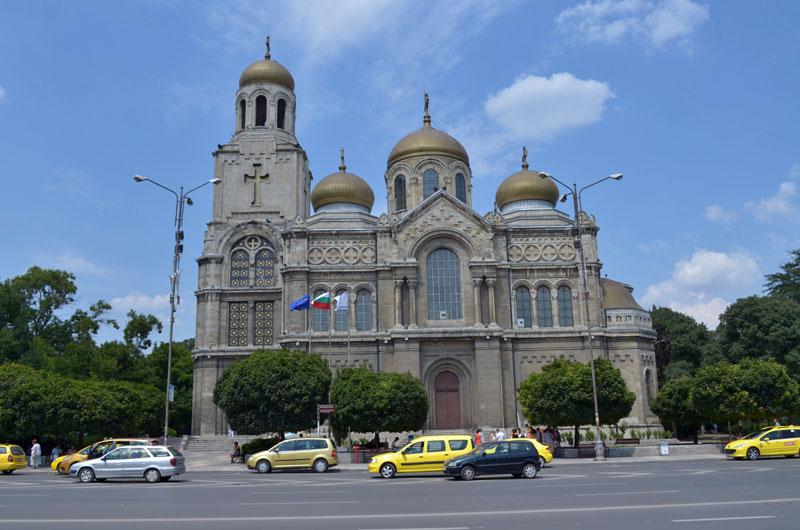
{"points": [[446, 217], [525, 249], [342, 252]]}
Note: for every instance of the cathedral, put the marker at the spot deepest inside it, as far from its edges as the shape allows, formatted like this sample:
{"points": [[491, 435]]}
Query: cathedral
{"points": [[469, 303]]}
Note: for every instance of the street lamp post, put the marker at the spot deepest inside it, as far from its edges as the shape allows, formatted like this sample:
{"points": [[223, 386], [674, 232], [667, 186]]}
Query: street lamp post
{"points": [[181, 199], [599, 454]]}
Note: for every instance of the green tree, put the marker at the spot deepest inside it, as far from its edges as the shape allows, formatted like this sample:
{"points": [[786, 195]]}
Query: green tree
{"points": [[762, 327], [139, 328], [774, 392], [360, 403], [718, 396], [561, 394], [786, 284], [273, 391], [407, 402], [155, 373], [679, 339], [674, 407]]}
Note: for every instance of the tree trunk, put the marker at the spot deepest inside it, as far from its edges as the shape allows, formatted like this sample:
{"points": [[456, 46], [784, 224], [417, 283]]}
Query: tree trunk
{"points": [[694, 434], [577, 436]]}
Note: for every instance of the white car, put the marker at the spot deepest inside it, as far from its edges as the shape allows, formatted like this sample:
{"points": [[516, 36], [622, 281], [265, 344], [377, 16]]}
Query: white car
{"points": [[155, 463]]}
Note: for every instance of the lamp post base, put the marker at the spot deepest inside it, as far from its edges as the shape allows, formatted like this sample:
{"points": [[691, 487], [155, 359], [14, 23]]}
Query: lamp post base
{"points": [[599, 451]]}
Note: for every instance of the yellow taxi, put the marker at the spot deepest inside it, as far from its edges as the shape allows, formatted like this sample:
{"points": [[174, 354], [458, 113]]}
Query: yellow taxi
{"points": [[96, 450], [769, 441], [300, 453], [425, 454], [12, 457], [545, 455], [54, 463]]}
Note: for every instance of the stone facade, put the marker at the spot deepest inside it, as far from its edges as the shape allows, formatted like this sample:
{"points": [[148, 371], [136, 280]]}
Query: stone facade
{"points": [[263, 249]]}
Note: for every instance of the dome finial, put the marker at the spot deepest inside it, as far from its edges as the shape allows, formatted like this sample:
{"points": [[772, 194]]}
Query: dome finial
{"points": [[426, 120], [524, 158], [342, 166], [267, 55]]}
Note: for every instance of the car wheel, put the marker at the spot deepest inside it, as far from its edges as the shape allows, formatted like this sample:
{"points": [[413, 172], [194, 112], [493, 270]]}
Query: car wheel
{"points": [[516, 475], [529, 470], [753, 454], [320, 465], [467, 473], [388, 471], [542, 461], [8, 471], [152, 475], [263, 466], [86, 475], [164, 479]]}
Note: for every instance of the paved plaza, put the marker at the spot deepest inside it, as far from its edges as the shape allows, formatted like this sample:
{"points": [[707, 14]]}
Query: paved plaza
{"points": [[699, 494]]}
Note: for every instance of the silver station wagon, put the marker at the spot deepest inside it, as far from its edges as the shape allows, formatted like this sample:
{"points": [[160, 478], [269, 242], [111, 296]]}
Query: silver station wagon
{"points": [[154, 463]]}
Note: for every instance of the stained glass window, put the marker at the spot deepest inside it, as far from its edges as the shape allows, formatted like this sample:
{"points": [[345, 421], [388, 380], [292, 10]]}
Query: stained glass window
{"points": [[544, 307], [430, 183], [399, 193], [444, 285], [240, 268], [565, 318], [265, 268], [262, 325], [237, 323], [363, 310], [341, 317], [319, 317], [523, 296], [461, 188]]}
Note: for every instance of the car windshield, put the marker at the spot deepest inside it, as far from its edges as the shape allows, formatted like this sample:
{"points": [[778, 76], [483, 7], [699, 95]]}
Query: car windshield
{"points": [[481, 448], [751, 435]]}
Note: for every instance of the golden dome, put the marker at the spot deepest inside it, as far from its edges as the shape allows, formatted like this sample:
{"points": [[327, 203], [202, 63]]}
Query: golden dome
{"points": [[428, 140], [267, 71], [342, 187], [526, 185]]}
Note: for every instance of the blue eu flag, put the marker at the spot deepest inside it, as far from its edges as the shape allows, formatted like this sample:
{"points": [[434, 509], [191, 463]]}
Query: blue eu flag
{"points": [[301, 304]]}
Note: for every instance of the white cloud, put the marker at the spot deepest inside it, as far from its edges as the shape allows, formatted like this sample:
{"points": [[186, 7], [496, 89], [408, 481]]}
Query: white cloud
{"points": [[538, 108], [794, 172], [3, 95], [73, 263], [141, 303], [781, 204], [705, 284], [719, 214], [658, 23]]}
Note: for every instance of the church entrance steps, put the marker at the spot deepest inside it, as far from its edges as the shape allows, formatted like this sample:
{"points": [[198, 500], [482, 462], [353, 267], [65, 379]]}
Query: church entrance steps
{"points": [[216, 443]]}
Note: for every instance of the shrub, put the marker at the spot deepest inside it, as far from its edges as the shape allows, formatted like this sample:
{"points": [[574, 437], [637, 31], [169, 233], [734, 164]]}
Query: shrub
{"points": [[258, 445]]}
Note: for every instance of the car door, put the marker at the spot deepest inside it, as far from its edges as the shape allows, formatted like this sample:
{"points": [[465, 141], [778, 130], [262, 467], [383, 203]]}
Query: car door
{"points": [[137, 461], [517, 454], [284, 454], [303, 453], [771, 444], [412, 458], [112, 464], [435, 454], [493, 458]]}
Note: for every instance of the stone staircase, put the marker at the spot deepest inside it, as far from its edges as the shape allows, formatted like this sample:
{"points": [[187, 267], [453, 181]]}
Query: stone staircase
{"points": [[218, 444]]}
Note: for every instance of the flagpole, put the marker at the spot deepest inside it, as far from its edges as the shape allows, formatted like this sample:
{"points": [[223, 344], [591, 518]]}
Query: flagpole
{"points": [[330, 327], [348, 329]]}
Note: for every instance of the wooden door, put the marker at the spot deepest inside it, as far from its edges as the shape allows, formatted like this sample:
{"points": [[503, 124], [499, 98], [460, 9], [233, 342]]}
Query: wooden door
{"points": [[448, 401]]}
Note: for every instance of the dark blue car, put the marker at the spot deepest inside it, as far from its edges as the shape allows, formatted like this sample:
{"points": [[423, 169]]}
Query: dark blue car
{"points": [[517, 457]]}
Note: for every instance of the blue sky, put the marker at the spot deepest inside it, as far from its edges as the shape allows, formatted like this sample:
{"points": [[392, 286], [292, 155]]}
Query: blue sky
{"points": [[695, 102]]}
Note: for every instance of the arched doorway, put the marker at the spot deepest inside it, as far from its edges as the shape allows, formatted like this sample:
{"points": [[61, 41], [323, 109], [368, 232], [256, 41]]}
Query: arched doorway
{"points": [[448, 401]]}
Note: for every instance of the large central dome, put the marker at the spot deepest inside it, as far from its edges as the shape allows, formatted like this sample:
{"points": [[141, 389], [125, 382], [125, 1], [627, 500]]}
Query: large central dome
{"points": [[342, 188], [427, 141], [526, 185]]}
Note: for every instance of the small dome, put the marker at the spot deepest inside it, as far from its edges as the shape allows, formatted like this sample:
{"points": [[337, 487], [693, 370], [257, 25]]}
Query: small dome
{"points": [[428, 141], [266, 71], [342, 188], [526, 185]]}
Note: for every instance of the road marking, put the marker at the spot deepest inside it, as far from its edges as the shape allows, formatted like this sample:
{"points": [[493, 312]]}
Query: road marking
{"points": [[25, 495], [297, 502], [377, 516], [623, 493], [712, 519], [427, 528], [294, 492]]}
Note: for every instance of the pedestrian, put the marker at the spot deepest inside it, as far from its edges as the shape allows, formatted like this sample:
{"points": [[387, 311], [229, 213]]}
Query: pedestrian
{"points": [[56, 452], [396, 444], [231, 433], [237, 453], [557, 441], [500, 435], [531, 433], [547, 438], [514, 432], [538, 434], [36, 454], [478, 437]]}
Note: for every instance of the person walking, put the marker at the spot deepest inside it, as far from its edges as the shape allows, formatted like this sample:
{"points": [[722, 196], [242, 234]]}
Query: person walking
{"points": [[237, 453], [397, 444], [56, 452], [36, 454], [547, 438], [499, 435], [556, 441], [478, 436]]}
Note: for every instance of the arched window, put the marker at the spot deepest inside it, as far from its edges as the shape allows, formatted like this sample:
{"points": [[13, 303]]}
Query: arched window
{"points": [[523, 299], [461, 188], [261, 111], [565, 307], [444, 285], [363, 310], [544, 307], [430, 183], [399, 193], [242, 113], [341, 317], [319, 317], [281, 114], [648, 386], [240, 268], [265, 268]]}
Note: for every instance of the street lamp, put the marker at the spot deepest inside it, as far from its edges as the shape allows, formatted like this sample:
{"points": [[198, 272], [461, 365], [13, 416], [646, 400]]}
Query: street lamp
{"points": [[181, 198], [599, 454]]}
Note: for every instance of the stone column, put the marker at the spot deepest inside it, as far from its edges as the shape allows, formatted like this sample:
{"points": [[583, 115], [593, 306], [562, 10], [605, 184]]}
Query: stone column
{"points": [[398, 303], [490, 282], [412, 303], [476, 290]]}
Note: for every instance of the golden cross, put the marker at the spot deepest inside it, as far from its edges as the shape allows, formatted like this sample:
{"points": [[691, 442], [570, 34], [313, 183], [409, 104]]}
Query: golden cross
{"points": [[524, 157], [257, 179]]}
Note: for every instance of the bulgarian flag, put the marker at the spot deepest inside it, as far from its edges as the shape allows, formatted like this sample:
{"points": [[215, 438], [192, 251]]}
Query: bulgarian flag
{"points": [[322, 301]]}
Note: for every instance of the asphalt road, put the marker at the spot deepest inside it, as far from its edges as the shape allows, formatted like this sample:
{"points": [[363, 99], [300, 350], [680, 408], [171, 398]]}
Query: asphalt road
{"points": [[675, 495]]}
